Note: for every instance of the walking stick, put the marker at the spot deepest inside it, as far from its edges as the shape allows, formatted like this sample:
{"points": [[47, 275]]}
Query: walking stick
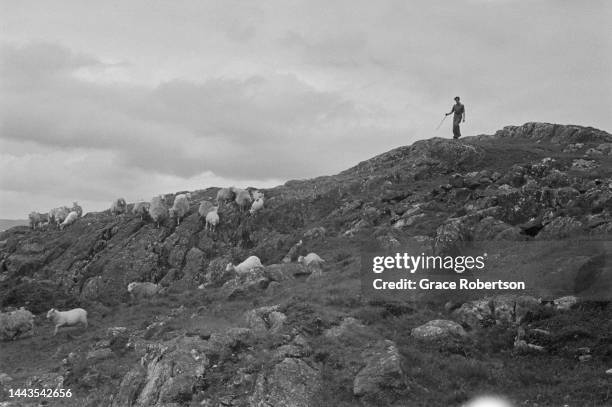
{"points": [[442, 121]]}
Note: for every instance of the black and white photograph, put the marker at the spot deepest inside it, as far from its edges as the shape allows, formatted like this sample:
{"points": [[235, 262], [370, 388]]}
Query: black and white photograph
{"points": [[305, 203]]}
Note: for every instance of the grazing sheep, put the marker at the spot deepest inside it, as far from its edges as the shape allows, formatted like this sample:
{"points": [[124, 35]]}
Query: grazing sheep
{"points": [[67, 318], [204, 208], [158, 209], [243, 198], [58, 215], [179, 208], [141, 208], [142, 290], [34, 218], [225, 195], [212, 219], [246, 266], [70, 219], [257, 194], [311, 259], [77, 208], [256, 206], [118, 206]]}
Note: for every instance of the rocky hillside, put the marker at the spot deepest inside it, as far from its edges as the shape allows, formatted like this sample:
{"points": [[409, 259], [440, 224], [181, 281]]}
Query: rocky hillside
{"points": [[537, 195]]}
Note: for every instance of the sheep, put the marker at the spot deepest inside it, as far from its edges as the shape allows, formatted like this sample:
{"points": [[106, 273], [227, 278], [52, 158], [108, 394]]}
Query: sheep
{"points": [[34, 218], [311, 259], [70, 219], [204, 208], [158, 209], [225, 195], [179, 208], [142, 290], [243, 198], [246, 266], [118, 206], [212, 219], [257, 194], [256, 206], [58, 215], [77, 208], [67, 318], [141, 208]]}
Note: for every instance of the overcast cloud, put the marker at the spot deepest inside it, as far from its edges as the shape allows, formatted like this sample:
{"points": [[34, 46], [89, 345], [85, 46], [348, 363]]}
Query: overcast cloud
{"points": [[135, 98]]}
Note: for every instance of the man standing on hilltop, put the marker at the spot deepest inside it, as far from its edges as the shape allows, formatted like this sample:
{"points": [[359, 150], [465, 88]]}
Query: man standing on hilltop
{"points": [[459, 110]]}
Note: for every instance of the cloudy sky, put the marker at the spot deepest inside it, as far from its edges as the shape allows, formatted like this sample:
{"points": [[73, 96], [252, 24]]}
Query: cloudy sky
{"points": [[101, 99]]}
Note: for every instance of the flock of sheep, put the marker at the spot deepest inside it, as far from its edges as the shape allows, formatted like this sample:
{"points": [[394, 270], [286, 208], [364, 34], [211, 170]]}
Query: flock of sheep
{"points": [[146, 289], [159, 212], [59, 217]]}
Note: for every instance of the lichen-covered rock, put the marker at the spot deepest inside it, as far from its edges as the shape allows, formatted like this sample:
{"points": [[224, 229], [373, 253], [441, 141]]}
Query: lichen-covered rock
{"points": [[382, 371], [559, 228], [245, 284], [438, 329], [16, 324], [265, 319], [506, 308], [291, 383], [565, 303]]}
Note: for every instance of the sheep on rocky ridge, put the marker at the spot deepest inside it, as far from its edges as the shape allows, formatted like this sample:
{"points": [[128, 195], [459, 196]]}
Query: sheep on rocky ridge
{"points": [[141, 208], [204, 208], [67, 318], [243, 198], [34, 218], [256, 206], [212, 219], [311, 259], [118, 206], [77, 208], [142, 290], [246, 266], [70, 219], [58, 215], [158, 209], [180, 207], [225, 195]]}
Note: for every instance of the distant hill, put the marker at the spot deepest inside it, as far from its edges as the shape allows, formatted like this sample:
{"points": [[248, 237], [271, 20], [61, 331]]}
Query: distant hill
{"points": [[9, 223]]}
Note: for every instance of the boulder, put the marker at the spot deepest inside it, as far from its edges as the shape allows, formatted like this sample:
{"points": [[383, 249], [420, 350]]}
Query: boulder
{"points": [[382, 371], [16, 324], [265, 319], [565, 303], [438, 329], [496, 310]]}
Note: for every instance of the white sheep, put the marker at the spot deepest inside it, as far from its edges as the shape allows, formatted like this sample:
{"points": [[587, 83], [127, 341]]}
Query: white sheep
{"points": [[225, 195], [256, 206], [212, 219], [67, 318], [243, 198], [142, 290], [246, 266], [58, 215], [77, 208], [141, 208], [204, 208], [311, 259], [34, 218], [257, 194], [158, 209], [118, 206], [179, 208], [70, 219]]}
